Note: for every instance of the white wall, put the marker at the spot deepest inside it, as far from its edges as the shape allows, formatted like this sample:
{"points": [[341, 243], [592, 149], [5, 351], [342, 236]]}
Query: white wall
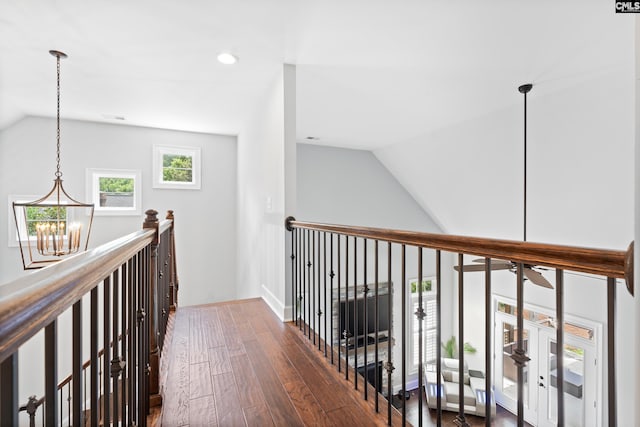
{"points": [[262, 197], [580, 187], [206, 255], [342, 186], [351, 187]]}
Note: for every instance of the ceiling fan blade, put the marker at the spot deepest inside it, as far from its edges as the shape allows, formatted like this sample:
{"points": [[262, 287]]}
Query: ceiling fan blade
{"points": [[466, 268], [536, 278], [470, 267], [494, 261]]}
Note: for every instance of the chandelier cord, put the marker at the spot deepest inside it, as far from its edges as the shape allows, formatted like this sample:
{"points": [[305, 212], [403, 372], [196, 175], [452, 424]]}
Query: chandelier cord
{"points": [[58, 173]]}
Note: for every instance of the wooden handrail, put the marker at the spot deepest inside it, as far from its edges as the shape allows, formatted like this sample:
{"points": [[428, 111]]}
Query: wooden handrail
{"points": [[30, 303], [605, 262]]}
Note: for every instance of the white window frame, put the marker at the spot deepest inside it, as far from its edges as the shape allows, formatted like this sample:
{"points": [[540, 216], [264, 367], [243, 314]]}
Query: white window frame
{"points": [[429, 327], [159, 151], [93, 191]]}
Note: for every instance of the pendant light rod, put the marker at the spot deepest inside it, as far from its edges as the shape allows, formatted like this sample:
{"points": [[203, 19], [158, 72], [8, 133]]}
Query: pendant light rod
{"points": [[59, 55], [524, 89]]}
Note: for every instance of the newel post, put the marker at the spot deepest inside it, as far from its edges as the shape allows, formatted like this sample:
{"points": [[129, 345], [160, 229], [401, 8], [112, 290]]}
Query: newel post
{"points": [[151, 222], [173, 271]]}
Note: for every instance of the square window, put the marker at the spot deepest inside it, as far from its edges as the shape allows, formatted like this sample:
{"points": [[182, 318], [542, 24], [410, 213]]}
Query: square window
{"points": [[176, 167], [114, 191]]}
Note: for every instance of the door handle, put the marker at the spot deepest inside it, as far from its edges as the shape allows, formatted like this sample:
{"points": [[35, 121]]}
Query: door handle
{"points": [[541, 385]]}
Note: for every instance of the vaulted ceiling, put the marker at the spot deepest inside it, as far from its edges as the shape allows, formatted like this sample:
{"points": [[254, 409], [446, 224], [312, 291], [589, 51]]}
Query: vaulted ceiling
{"points": [[426, 85], [370, 73]]}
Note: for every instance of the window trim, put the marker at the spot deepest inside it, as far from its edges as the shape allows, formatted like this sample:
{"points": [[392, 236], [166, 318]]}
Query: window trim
{"points": [[93, 176], [159, 151]]}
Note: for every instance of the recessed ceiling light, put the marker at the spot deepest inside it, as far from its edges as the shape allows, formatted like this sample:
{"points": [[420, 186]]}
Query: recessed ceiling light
{"points": [[227, 58]]}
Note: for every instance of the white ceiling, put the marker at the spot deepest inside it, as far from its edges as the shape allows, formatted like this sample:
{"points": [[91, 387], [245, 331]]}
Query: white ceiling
{"points": [[370, 72]]}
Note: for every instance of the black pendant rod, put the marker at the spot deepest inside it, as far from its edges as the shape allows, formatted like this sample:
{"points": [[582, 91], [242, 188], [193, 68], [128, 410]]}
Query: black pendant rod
{"points": [[524, 89]]}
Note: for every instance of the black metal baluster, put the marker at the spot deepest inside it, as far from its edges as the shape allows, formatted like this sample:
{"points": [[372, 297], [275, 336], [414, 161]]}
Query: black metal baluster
{"points": [[115, 360], [77, 362], [404, 335], [346, 332], [389, 365], [559, 345], [300, 286], [131, 326], [332, 274], [365, 329], [9, 403], [123, 333], [420, 316], [312, 271], [51, 374], [95, 385], [293, 272], [106, 358], [439, 337], [519, 356], [356, 332], [339, 305], [305, 294], [487, 342], [460, 419], [324, 246], [611, 351], [319, 311], [141, 327], [146, 340], [308, 294], [377, 384]]}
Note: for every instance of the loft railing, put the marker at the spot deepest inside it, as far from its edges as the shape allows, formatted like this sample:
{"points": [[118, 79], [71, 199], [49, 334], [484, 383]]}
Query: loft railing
{"points": [[131, 284], [332, 282]]}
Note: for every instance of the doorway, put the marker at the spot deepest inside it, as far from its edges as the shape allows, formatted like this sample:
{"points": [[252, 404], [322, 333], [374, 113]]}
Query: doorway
{"points": [[581, 370]]}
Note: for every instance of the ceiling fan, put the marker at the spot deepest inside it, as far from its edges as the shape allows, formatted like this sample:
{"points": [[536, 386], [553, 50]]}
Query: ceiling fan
{"points": [[498, 264]]}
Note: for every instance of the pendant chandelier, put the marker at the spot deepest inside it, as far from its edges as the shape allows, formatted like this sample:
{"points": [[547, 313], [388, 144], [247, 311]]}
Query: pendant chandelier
{"points": [[55, 225]]}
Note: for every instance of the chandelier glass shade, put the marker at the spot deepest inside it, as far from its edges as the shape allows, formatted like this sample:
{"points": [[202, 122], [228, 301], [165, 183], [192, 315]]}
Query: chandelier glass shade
{"points": [[56, 225]]}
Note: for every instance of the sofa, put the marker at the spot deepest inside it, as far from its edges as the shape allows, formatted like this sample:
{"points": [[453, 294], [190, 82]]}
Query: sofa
{"points": [[474, 389]]}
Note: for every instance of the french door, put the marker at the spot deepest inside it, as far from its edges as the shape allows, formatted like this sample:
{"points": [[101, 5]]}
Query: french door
{"points": [[540, 373], [506, 372]]}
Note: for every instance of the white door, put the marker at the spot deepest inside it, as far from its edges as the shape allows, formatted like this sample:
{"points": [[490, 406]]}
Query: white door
{"points": [[506, 372], [579, 388], [581, 371]]}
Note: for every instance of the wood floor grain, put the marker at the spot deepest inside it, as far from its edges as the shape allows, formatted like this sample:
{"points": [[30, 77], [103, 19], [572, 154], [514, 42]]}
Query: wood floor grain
{"points": [[237, 364]]}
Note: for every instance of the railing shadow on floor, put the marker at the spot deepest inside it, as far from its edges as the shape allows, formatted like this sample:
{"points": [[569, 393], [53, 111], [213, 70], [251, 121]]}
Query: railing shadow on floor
{"points": [[130, 285]]}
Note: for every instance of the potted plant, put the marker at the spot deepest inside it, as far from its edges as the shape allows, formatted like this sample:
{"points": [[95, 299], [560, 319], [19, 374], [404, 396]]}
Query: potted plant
{"points": [[450, 348]]}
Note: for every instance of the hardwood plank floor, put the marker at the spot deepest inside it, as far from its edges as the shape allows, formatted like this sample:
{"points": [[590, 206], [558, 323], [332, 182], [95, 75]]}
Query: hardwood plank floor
{"points": [[237, 364]]}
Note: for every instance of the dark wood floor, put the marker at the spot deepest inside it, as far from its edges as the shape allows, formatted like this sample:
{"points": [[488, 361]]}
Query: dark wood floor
{"points": [[237, 364]]}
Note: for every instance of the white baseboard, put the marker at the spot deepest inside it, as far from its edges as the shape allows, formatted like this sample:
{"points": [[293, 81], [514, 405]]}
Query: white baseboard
{"points": [[282, 311]]}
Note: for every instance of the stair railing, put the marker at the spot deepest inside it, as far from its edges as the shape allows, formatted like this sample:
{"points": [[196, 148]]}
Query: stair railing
{"points": [[131, 285], [332, 282]]}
